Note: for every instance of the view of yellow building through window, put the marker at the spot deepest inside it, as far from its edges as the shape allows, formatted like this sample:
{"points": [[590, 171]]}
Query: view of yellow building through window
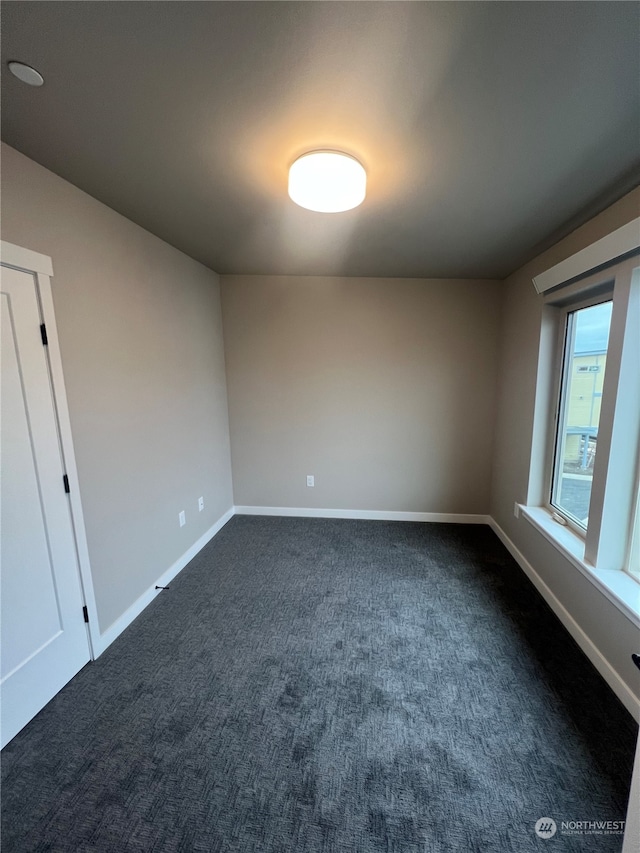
{"points": [[584, 410]]}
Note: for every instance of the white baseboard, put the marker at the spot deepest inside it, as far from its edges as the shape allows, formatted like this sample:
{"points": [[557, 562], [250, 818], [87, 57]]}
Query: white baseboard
{"points": [[102, 641], [366, 514], [613, 679]]}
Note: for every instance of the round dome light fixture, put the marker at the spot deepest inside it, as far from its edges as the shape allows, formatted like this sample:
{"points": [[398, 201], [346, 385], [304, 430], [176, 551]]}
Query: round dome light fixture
{"points": [[327, 181], [26, 73]]}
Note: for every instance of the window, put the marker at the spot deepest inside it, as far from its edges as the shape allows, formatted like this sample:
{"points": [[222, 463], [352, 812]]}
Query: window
{"points": [[583, 492], [587, 478], [586, 339]]}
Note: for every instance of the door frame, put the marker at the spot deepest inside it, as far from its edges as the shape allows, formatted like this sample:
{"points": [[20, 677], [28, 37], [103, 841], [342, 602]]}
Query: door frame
{"points": [[41, 267]]}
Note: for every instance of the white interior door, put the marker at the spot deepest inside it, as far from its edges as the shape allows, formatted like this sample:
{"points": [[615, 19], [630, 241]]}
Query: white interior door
{"points": [[43, 632]]}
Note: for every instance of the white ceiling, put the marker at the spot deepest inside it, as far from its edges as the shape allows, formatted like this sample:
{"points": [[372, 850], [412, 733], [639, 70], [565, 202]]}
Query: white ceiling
{"points": [[487, 129]]}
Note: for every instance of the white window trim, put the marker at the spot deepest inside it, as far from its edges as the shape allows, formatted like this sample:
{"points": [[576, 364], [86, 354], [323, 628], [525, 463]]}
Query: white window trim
{"points": [[618, 586], [609, 248], [605, 294], [634, 539], [601, 553], [613, 486], [614, 480]]}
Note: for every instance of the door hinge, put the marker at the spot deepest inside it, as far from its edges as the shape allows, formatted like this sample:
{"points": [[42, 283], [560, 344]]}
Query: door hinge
{"points": [[43, 335], [65, 480], [85, 613]]}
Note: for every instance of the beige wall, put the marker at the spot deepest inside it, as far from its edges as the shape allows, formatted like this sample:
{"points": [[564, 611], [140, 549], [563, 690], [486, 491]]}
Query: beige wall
{"points": [[612, 632], [383, 389], [141, 341]]}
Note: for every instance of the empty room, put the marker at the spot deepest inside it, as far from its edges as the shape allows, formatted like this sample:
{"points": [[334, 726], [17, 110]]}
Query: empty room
{"points": [[320, 427]]}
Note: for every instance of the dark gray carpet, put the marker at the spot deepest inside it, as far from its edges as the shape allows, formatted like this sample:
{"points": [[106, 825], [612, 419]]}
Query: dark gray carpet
{"points": [[318, 685]]}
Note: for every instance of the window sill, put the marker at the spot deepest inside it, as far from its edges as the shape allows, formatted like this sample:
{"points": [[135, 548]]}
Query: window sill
{"points": [[619, 587]]}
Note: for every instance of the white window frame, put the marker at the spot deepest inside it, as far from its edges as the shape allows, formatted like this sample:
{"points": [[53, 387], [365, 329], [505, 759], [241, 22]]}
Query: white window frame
{"points": [[602, 553], [613, 490], [604, 294], [632, 562]]}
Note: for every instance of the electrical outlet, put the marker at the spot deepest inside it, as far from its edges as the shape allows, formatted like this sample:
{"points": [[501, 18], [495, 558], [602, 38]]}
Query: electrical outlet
{"points": [[182, 518], [516, 509], [200, 504], [311, 481]]}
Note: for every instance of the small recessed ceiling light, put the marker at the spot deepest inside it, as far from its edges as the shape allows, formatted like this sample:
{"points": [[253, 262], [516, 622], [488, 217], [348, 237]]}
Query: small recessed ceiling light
{"points": [[26, 73], [327, 182]]}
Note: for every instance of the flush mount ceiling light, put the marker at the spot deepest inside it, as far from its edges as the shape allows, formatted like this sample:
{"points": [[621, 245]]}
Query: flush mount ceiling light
{"points": [[327, 182], [26, 73]]}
